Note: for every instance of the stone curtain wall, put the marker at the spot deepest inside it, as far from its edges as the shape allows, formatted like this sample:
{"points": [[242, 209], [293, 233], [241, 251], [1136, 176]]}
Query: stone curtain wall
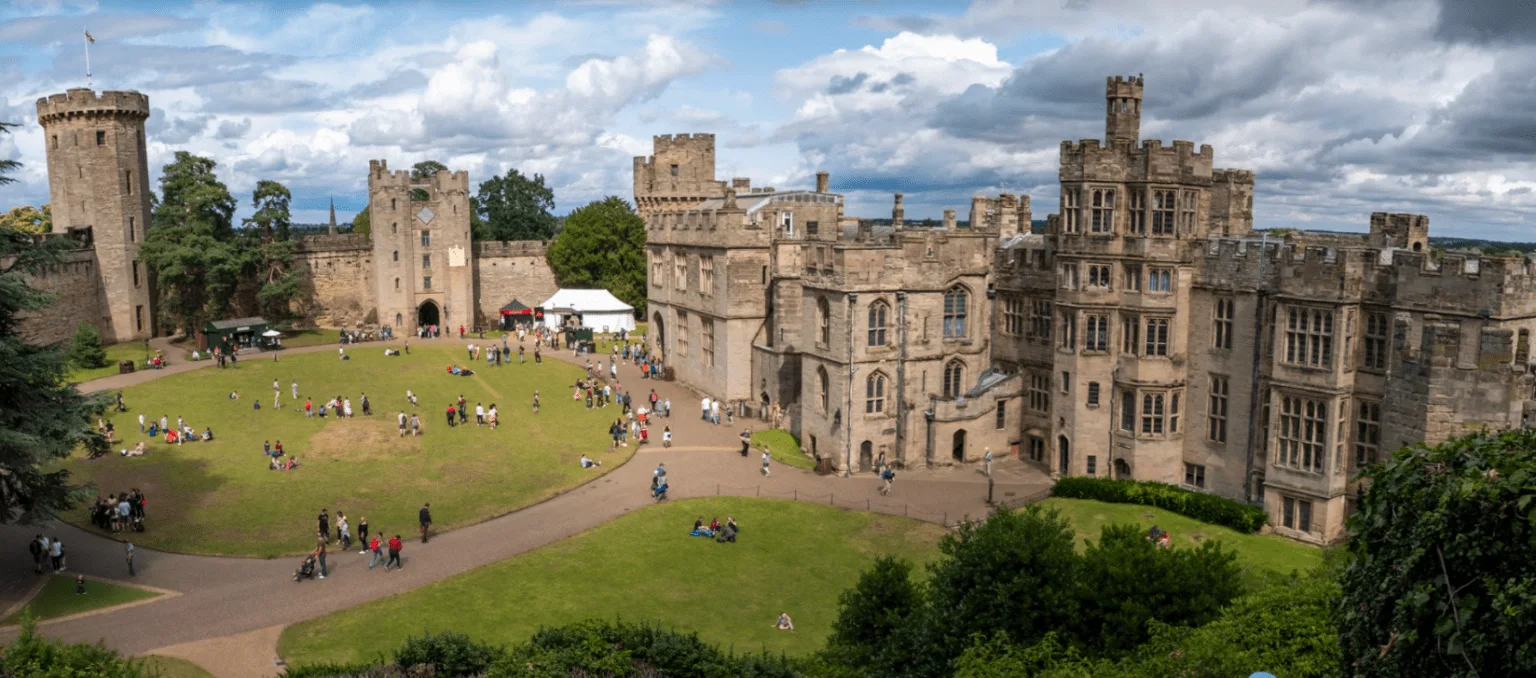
{"points": [[338, 288], [511, 270], [78, 294]]}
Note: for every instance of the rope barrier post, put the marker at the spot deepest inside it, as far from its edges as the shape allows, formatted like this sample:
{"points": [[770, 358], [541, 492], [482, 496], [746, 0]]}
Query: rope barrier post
{"points": [[989, 490], [866, 504], [946, 519], [797, 494], [759, 490], [831, 500], [904, 510]]}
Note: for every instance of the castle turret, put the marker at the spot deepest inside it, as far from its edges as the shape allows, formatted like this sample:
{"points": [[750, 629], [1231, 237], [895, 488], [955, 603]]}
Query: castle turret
{"points": [[1122, 120], [898, 213], [98, 181]]}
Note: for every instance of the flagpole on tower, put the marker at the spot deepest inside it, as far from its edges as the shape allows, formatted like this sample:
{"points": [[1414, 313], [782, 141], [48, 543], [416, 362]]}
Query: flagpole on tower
{"points": [[88, 41]]}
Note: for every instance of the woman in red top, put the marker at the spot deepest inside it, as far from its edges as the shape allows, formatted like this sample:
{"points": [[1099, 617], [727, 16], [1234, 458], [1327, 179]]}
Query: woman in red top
{"points": [[394, 552]]}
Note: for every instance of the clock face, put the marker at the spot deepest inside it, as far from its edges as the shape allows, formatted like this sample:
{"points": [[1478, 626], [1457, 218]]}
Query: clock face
{"points": [[425, 215]]}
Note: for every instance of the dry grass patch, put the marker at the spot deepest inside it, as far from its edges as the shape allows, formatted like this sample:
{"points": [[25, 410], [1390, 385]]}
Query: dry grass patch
{"points": [[367, 439]]}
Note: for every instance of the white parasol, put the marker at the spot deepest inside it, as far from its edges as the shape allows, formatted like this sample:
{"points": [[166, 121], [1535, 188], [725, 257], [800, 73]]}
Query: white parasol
{"points": [[271, 333]]}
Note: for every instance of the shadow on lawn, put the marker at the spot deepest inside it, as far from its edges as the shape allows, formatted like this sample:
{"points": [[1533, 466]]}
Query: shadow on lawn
{"points": [[171, 484]]}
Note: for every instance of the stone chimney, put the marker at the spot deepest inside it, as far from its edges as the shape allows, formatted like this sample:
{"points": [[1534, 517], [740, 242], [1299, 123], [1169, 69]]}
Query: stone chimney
{"points": [[1007, 216], [978, 212], [1026, 216], [730, 198], [823, 182], [949, 220], [898, 215], [741, 184]]}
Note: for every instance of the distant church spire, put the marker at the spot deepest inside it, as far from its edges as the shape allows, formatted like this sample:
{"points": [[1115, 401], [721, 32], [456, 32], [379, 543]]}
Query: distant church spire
{"points": [[332, 230]]}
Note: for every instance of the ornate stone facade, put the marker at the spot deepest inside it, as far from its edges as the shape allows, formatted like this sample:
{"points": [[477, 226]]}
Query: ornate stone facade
{"points": [[1149, 332], [419, 265]]}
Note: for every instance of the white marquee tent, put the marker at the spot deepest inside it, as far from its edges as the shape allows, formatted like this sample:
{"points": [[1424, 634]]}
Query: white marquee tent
{"points": [[597, 309]]}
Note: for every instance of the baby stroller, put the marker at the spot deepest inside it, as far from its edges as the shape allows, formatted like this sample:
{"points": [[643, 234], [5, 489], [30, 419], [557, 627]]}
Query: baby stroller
{"points": [[138, 523], [658, 488], [645, 435], [306, 569]]}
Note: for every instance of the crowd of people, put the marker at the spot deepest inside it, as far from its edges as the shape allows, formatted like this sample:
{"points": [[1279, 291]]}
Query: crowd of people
{"points": [[119, 512]]}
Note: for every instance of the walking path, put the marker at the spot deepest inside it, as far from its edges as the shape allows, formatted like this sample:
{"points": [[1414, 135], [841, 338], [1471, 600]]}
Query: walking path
{"points": [[248, 598]]}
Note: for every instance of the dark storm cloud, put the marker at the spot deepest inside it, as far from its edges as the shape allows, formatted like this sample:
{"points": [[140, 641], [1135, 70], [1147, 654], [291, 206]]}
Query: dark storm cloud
{"points": [[1487, 21]]}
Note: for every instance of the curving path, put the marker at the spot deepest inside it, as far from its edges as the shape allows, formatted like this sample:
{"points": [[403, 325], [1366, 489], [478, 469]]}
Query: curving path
{"points": [[230, 609]]}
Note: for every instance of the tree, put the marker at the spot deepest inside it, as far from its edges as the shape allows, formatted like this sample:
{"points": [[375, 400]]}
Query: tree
{"points": [[870, 613], [1441, 581], [361, 224], [189, 245], [42, 417], [7, 166], [603, 245], [423, 171], [279, 283], [28, 219], [1126, 582], [86, 351], [514, 207]]}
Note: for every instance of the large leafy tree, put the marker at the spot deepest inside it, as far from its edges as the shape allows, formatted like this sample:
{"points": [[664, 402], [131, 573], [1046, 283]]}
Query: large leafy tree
{"points": [[273, 250], [1442, 581], [86, 351], [28, 218], [603, 245], [7, 166], [515, 207], [870, 613], [42, 417], [422, 171], [190, 244], [361, 223]]}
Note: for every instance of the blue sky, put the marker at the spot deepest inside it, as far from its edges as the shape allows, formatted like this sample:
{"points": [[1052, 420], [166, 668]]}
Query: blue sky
{"points": [[1343, 108]]}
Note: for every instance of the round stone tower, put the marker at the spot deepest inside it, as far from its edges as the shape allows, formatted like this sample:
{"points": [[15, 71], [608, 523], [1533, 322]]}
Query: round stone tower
{"points": [[1123, 117], [98, 182]]}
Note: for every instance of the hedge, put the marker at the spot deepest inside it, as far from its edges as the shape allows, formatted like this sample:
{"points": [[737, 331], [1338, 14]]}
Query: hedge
{"points": [[1204, 507]]}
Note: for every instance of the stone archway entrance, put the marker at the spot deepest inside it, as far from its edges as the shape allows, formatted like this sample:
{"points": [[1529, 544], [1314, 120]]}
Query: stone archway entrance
{"points": [[866, 457], [959, 446], [428, 314], [659, 329], [1064, 448]]}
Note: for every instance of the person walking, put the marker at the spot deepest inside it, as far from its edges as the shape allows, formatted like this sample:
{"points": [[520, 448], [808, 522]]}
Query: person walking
{"points": [[56, 553], [400, 420], [141, 422], [294, 390], [425, 517], [377, 549], [344, 531], [394, 553], [324, 521], [535, 402], [766, 471], [415, 425], [367, 406], [888, 477], [320, 555], [714, 412], [987, 463], [35, 547], [362, 534], [128, 549], [746, 442], [452, 418], [704, 408], [479, 414]]}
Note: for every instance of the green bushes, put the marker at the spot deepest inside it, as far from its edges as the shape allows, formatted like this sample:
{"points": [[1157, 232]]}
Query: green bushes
{"points": [[1198, 505]]}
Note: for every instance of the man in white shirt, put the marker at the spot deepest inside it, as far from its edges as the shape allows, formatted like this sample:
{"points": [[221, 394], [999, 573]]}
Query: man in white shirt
{"points": [[141, 422], [704, 406], [479, 414]]}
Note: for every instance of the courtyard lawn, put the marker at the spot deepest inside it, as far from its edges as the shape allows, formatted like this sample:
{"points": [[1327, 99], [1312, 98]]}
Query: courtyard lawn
{"points": [[1261, 555], [58, 598], [783, 447], [220, 497], [115, 353], [790, 557], [171, 667], [301, 338]]}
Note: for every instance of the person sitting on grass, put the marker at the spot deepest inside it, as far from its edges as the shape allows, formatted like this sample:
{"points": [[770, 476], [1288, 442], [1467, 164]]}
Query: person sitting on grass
{"points": [[234, 395], [699, 530], [207, 435], [588, 462], [137, 451], [274, 465], [171, 438], [784, 623], [293, 463]]}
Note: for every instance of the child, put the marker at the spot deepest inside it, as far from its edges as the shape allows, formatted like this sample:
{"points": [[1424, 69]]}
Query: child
{"points": [[666, 437], [79, 584]]}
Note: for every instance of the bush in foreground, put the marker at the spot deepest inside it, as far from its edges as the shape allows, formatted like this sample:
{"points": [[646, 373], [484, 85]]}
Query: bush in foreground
{"points": [[1204, 507]]}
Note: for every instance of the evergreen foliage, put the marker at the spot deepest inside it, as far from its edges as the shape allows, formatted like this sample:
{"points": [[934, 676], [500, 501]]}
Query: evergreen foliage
{"points": [[85, 352], [514, 207], [189, 246], [34, 657], [602, 245]]}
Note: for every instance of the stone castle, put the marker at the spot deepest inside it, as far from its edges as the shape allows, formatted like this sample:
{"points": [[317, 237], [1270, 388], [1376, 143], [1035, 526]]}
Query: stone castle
{"points": [[1149, 332], [418, 267]]}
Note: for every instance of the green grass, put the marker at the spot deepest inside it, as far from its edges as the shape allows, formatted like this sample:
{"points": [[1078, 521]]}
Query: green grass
{"points": [[219, 497], [58, 598], [115, 353], [301, 338], [783, 447], [790, 557], [1260, 555], [171, 667]]}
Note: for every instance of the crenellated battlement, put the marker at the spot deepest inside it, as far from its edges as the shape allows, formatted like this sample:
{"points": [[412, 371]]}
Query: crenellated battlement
{"points": [[511, 248], [380, 176], [333, 243], [1123, 160], [82, 102]]}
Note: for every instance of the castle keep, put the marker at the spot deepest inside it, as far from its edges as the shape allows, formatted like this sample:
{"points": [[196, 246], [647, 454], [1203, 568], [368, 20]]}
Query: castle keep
{"points": [[1148, 332], [419, 267]]}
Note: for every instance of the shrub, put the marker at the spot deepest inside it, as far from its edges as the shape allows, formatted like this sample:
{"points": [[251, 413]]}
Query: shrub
{"points": [[32, 656], [597, 648], [451, 654], [1198, 505], [85, 351]]}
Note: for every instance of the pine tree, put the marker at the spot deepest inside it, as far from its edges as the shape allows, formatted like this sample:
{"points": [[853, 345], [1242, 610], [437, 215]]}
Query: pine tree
{"points": [[85, 351]]}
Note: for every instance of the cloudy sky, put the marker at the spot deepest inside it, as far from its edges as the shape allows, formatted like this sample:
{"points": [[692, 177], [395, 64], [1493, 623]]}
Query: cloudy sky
{"points": [[1343, 107]]}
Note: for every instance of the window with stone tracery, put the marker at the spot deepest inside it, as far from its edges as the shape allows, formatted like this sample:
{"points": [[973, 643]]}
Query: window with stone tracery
{"points": [[1138, 214], [1103, 216], [1188, 207], [1164, 206], [1071, 210]]}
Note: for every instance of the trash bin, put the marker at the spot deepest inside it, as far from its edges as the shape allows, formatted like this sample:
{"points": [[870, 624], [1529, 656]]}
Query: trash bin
{"points": [[125, 366]]}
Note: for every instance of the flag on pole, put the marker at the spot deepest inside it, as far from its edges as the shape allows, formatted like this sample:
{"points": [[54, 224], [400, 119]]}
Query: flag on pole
{"points": [[89, 39]]}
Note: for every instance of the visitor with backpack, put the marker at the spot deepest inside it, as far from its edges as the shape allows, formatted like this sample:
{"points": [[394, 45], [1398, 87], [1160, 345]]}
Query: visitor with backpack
{"points": [[888, 476], [425, 516]]}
